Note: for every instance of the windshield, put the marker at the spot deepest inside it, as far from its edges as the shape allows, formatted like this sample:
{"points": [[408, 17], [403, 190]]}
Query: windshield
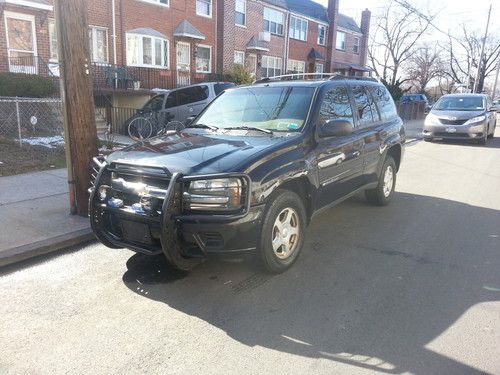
{"points": [[460, 103], [272, 108]]}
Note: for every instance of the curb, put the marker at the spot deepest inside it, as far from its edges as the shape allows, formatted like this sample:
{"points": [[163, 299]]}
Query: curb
{"points": [[19, 253]]}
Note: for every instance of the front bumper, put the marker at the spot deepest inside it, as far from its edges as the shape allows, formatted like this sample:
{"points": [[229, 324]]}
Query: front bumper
{"points": [[195, 235], [471, 132]]}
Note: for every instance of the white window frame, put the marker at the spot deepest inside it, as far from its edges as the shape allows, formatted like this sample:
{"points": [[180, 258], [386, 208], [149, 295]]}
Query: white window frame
{"points": [[157, 2], [341, 48], [356, 45], [165, 54], [298, 21], [273, 13], [53, 50], [297, 63], [210, 8], [324, 35], [244, 12], [93, 47], [322, 68], [209, 62], [241, 54], [277, 64], [23, 17]]}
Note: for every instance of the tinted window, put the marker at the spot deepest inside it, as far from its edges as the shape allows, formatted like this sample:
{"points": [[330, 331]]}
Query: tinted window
{"points": [[336, 105], [154, 104], [219, 87], [171, 100], [460, 103], [384, 102], [192, 94], [367, 112]]}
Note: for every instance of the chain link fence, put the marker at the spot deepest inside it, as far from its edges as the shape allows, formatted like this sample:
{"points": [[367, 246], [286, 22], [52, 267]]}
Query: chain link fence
{"points": [[31, 134]]}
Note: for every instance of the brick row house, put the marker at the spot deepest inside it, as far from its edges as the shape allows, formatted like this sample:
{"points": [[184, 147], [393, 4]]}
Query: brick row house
{"points": [[138, 45]]}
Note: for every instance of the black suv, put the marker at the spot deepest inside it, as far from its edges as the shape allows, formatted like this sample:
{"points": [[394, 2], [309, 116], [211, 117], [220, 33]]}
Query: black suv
{"points": [[250, 172]]}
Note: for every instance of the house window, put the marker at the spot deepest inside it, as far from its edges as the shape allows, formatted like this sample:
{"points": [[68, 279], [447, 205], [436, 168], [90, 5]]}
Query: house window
{"points": [[239, 57], [321, 35], [203, 59], [273, 21], [21, 42], [240, 12], [204, 8], [340, 43], [98, 38], [355, 46], [319, 68], [298, 28], [148, 51], [271, 66], [295, 66], [54, 56]]}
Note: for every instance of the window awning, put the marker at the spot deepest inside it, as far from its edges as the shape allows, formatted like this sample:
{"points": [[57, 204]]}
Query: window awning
{"points": [[147, 31], [315, 55], [257, 45], [186, 30], [342, 65]]}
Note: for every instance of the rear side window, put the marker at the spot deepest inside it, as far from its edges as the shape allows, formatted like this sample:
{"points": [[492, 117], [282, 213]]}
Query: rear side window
{"points": [[192, 94], [219, 87], [367, 111], [336, 105], [154, 104], [384, 102]]}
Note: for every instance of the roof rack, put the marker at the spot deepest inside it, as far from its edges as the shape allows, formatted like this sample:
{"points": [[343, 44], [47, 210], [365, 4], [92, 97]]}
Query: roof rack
{"points": [[322, 76]]}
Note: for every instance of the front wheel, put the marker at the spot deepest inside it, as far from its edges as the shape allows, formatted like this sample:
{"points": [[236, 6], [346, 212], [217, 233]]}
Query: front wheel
{"points": [[282, 231], [382, 194], [140, 128], [493, 131]]}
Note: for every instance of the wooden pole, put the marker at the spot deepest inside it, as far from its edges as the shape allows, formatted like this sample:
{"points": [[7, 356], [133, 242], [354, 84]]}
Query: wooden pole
{"points": [[480, 63], [79, 118]]}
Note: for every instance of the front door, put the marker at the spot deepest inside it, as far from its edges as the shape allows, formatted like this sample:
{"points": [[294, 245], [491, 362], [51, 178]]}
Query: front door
{"points": [[251, 64], [21, 43], [339, 159], [183, 64]]}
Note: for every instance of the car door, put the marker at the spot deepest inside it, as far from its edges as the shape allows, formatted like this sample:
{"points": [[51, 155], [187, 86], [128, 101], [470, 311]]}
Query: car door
{"points": [[191, 101], [170, 111], [339, 159]]}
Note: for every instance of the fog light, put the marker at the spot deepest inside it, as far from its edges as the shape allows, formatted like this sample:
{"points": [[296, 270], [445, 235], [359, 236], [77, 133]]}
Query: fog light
{"points": [[102, 192]]}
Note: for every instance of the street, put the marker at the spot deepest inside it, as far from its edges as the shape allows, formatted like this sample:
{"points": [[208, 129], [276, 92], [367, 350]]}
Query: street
{"points": [[413, 287]]}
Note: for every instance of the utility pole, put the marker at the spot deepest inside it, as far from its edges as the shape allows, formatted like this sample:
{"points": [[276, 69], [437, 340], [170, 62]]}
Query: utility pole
{"points": [[493, 94], [482, 52], [78, 103]]}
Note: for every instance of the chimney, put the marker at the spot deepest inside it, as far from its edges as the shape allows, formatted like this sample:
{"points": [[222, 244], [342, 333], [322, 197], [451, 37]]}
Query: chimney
{"points": [[365, 29], [333, 15]]}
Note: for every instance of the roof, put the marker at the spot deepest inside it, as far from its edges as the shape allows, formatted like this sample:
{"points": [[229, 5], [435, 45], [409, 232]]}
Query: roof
{"points": [[308, 8], [256, 44], [348, 23], [345, 65], [147, 31], [185, 29], [315, 55]]}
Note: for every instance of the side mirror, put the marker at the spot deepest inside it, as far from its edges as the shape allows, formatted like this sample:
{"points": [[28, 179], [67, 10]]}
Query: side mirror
{"points": [[335, 128], [189, 120]]}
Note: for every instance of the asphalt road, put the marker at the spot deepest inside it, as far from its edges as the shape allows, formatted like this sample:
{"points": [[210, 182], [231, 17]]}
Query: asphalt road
{"points": [[410, 288]]}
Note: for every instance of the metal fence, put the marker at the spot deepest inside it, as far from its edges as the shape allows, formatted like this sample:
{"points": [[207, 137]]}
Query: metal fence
{"points": [[31, 134]]}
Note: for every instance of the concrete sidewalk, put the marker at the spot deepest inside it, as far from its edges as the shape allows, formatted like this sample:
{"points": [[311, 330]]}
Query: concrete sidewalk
{"points": [[35, 217]]}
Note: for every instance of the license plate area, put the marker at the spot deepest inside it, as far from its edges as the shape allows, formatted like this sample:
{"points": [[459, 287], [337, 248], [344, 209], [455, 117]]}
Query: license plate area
{"points": [[451, 129], [136, 232]]}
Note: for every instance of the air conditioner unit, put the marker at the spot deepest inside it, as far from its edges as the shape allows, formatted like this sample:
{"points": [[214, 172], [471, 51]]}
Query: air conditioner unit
{"points": [[265, 36]]}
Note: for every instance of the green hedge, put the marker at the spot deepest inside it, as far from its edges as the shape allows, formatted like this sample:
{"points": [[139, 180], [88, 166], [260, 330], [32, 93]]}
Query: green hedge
{"points": [[25, 85]]}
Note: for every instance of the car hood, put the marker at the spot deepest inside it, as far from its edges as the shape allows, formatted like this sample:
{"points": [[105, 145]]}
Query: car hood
{"points": [[457, 115], [198, 152]]}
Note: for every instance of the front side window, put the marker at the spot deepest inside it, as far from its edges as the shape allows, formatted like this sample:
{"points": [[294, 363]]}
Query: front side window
{"points": [[239, 57], [54, 55], [295, 66], [240, 15], [384, 102], [273, 21], [98, 39], [204, 8], [271, 66], [340, 42], [336, 106], [298, 28], [275, 108], [367, 111], [321, 35], [155, 104], [148, 51], [355, 46], [203, 59]]}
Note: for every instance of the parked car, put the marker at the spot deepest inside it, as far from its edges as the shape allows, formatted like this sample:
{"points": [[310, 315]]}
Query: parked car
{"points": [[461, 116], [181, 103], [496, 105], [250, 172], [416, 98]]}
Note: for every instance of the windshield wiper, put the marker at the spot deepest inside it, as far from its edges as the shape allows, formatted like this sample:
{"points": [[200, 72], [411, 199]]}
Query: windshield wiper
{"points": [[203, 126], [268, 131]]}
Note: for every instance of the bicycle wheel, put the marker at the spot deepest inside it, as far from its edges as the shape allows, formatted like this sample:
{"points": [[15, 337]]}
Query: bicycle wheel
{"points": [[175, 125], [140, 128]]}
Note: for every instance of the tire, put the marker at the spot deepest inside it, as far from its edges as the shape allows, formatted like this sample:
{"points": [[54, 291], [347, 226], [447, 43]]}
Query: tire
{"points": [[382, 194], [286, 207], [428, 139], [140, 128], [490, 136], [483, 140]]}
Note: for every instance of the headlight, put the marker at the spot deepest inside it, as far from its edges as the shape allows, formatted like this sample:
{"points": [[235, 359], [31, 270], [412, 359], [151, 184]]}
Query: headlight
{"points": [[220, 194], [102, 192], [431, 119], [475, 119]]}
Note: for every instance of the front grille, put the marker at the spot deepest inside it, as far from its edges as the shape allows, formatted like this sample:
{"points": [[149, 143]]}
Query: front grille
{"points": [[451, 135], [452, 122]]}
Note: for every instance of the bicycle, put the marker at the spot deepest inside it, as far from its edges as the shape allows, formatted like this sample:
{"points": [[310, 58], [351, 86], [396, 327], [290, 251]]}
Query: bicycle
{"points": [[151, 124]]}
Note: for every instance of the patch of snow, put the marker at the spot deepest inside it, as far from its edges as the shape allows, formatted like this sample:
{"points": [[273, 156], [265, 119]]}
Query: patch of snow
{"points": [[49, 142]]}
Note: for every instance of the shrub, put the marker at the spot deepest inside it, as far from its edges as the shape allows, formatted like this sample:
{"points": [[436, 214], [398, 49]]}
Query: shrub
{"points": [[239, 75], [25, 85]]}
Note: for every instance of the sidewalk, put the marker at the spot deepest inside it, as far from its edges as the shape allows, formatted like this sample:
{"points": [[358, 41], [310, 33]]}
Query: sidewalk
{"points": [[35, 217]]}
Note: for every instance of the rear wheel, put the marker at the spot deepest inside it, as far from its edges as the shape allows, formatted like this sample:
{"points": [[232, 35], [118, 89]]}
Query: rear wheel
{"points": [[382, 194], [140, 128]]}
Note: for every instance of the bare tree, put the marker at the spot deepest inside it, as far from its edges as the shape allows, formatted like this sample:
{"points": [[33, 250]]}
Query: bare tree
{"points": [[423, 66]]}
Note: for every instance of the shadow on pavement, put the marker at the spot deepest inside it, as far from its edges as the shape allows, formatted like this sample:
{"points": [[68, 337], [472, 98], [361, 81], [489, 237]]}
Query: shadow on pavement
{"points": [[491, 143], [372, 288]]}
